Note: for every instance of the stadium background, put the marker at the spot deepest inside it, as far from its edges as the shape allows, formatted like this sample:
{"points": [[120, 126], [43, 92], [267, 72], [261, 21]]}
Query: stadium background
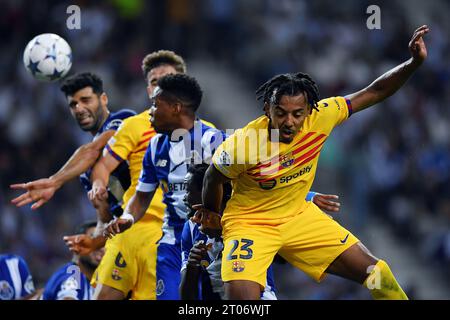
{"points": [[390, 164]]}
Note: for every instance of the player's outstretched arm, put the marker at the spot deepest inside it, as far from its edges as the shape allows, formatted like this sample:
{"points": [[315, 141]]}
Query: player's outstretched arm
{"points": [[84, 244], [391, 81], [40, 191], [133, 212]]}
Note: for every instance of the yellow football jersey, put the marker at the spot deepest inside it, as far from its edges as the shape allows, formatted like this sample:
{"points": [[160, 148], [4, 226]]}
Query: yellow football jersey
{"points": [[270, 180], [129, 143]]}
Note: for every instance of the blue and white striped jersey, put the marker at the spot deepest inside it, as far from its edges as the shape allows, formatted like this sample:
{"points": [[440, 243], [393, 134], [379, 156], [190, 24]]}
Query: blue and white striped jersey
{"points": [[68, 282], [120, 178], [15, 278], [165, 164]]}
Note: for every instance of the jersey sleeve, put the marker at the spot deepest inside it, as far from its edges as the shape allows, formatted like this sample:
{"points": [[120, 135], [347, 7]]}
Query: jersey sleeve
{"points": [[227, 160], [333, 111], [211, 140], [27, 279], [148, 180], [124, 141], [119, 117], [186, 244]]}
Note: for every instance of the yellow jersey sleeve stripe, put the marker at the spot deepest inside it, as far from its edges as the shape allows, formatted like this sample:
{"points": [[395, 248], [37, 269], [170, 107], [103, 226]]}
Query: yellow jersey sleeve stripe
{"points": [[277, 167]]}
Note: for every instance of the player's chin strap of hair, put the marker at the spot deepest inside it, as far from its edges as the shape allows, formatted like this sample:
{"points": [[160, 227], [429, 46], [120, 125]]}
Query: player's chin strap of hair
{"points": [[127, 216]]}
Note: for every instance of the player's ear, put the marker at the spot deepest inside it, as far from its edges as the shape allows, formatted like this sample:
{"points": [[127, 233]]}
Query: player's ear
{"points": [[104, 99], [177, 107], [266, 109]]}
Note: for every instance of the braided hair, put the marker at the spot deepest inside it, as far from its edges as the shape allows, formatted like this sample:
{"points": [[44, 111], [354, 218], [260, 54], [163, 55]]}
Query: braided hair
{"points": [[289, 84]]}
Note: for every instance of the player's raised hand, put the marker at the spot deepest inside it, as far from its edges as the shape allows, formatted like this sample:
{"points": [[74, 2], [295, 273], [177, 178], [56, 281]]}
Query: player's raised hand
{"points": [[209, 221], [197, 253], [98, 196], [38, 191], [327, 202], [417, 45], [98, 192], [83, 244], [117, 226]]}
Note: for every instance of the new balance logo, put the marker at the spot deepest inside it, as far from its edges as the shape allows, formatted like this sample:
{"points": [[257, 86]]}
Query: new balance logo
{"points": [[161, 163]]}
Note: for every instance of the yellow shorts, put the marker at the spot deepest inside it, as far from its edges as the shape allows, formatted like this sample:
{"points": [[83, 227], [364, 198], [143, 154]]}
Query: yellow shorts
{"points": [[310, 241], [129, 263]]}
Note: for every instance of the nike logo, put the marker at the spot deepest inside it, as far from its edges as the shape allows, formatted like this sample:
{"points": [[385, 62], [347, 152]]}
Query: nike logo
{"points": [[345, 239]]}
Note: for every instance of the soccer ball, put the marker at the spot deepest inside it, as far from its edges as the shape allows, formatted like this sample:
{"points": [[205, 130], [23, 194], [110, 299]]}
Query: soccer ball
{"points": [[48, 57]]}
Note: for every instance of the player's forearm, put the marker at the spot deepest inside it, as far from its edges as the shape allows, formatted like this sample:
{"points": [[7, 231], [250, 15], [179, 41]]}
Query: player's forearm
{"points": [[138, 204], [394, 79], [100, 174], [385, 85], [212, 192], [103, 216], [83, 158], [189, 283]]}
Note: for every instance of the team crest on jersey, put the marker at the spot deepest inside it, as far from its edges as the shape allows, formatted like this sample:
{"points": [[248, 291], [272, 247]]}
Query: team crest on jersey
{"points": [[116, 275], [6, 291], [225, 158], [160, 287], [286, 160], [70, 284], [238, 266], [267, 185]]}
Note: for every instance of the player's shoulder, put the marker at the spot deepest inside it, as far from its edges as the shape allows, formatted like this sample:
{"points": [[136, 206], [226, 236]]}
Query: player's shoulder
{"points": [[333, 104], [5, 258], [123, 114], [115, 119], [67, 277], [260, 123], [139, 120], [207, 123], [68, 272]]}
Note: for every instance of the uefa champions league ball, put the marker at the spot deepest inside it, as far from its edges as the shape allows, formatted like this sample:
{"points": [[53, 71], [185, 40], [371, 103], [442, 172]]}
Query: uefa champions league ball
{"points": [[48, 57]]}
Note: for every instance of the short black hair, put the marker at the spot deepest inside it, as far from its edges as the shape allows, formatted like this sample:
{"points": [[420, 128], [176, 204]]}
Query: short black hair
{"points": [[198, 172], [81, 229], [182, 87], [290, 84], [82, 80]]}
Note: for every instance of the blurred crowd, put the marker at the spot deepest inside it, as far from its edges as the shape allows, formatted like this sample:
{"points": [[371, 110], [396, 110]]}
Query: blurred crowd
{"points": [[393, 160]]}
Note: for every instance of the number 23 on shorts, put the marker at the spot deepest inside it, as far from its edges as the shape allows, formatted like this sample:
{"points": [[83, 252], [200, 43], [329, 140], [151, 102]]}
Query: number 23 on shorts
{"points": [[245, 245]]}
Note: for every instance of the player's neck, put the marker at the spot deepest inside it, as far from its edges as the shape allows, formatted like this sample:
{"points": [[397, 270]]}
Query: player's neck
{"points": [[101, 123], [86, 270], [186, 123]]}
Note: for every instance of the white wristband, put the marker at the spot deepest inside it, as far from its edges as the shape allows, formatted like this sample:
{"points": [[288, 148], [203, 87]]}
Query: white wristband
{"points": [[127, 216]]}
